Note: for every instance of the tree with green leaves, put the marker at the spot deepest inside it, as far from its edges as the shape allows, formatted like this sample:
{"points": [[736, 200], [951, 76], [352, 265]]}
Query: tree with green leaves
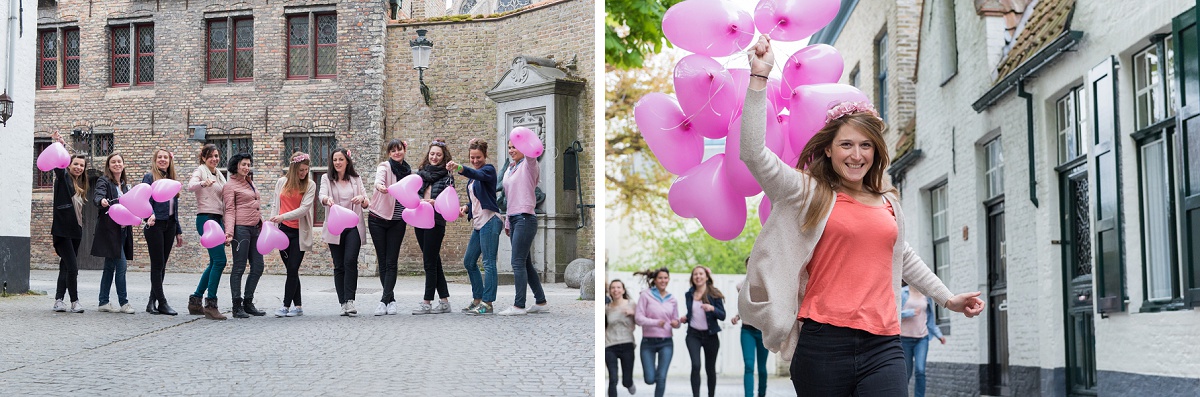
{"points": [[631, 171], [633, 31]]}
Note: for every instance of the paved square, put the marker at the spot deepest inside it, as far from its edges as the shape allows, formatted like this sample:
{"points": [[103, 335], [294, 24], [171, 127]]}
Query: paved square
{"points": [[320, 353]]}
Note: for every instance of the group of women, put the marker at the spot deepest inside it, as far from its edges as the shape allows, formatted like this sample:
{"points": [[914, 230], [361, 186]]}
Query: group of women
{"points": [[657, 312], [235, 204]]}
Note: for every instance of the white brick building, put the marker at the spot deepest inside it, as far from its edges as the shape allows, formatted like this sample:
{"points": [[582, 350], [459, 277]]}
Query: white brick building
{"points": [[18, 43]]}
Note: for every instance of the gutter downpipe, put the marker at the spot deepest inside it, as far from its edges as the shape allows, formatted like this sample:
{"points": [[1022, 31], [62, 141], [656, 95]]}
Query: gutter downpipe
{"points": [[1029, 139], [13, 14]]}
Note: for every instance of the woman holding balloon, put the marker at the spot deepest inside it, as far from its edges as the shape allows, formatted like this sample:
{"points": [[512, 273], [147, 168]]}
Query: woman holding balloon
{"points": [[482, 211], [386, 223], [243, 223], [70, 188], [112, 241], [836, 210], [208, 183], [342, 187], [294, 196], [159, 229], [520, 180], [435, 179]]}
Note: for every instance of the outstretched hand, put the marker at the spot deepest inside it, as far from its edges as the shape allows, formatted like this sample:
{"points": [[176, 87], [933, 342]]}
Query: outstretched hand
{"points": [[760, 56], [968, 304]]}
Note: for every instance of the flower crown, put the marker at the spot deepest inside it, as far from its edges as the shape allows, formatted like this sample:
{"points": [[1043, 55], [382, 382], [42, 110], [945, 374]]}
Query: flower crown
{"points": [[438, 143], [849, 107], [299, 157]]}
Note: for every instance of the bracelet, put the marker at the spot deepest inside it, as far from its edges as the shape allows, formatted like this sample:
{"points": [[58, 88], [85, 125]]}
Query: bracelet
{"points": [[758, 75]]}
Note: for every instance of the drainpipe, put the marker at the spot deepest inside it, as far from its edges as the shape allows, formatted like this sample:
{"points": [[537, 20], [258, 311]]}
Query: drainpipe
{"points": [[14, 12], [1029, 139]]}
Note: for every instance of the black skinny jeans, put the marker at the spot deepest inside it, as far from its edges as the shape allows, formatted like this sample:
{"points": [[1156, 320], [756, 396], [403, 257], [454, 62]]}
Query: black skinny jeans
{"points": [[838, 361], [623, 353], [386, 236], [159, 239], [292, 257], [68, 267], [345, 264], [430, 241], [696, 340]]}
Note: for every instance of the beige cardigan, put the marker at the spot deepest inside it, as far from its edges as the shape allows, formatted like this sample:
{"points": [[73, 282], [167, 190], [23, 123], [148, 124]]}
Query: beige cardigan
{"points": [[208, 199], [776, 271], [303, 212]]}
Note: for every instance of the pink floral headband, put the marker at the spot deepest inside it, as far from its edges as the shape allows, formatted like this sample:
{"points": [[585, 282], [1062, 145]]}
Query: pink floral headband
{"points": [[848, 107], [299, 157]]}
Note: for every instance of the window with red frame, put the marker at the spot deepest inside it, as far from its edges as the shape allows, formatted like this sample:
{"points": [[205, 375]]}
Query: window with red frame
{"points": [[132, 55], [42, 179], [58, 56], [312, 52], [227, 35], [47, 59]]}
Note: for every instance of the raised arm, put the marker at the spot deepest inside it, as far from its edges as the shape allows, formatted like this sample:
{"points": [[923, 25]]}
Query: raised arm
{"points": [[779, 181]]}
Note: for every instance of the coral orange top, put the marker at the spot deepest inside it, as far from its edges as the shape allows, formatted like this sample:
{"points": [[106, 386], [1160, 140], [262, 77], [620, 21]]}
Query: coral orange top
{"points": [[289, 202], [850, 274]]}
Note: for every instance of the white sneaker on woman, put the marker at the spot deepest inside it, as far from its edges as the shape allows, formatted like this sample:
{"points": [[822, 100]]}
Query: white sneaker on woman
{"points": [[542, 308], [381, 309], [60, 306], [392, 308], [76, 307], [513, 311]]}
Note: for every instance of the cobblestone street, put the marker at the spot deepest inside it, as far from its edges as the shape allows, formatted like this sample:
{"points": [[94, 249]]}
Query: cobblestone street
{"points": [[320, 353]]}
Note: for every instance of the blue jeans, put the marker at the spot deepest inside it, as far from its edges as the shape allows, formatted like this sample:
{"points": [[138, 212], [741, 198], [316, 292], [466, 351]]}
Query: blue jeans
{"points": [[915, 352], [753, 352], [211, 279], [114, 266], [524, 227], [484, 241], [656, 374]]}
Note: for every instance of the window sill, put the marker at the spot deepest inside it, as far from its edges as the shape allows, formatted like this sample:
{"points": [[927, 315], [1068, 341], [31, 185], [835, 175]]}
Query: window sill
{"points": [[129, 92], [220, 89], [1158, 307], [307, 84], [58, 94]]}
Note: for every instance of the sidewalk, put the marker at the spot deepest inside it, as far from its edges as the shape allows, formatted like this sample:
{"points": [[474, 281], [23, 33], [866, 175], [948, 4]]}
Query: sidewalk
{"points": [[727, 386], [320, 353]]}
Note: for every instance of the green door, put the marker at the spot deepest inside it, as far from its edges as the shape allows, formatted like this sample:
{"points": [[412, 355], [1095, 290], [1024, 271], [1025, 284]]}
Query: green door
{"points": [[1187, 67]]}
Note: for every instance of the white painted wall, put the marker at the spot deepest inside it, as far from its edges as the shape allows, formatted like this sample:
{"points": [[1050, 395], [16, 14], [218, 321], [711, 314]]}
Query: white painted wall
{"points": [[17, 150]]}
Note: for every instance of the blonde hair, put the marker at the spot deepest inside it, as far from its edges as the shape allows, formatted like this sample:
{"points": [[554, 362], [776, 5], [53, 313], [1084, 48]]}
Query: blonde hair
{"points": [[294, 184]]}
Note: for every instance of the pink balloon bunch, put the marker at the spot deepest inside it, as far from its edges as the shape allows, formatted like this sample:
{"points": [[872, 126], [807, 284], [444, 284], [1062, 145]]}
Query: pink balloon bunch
{"points": [[703, 193], [526, 141], [420, 216], [213, 234], [54, 156], [713, 28], [271, 238], [405, 190], [340, 218], [122, 216], [137, 200], [164, 189], [446, 204], [793, 20]]}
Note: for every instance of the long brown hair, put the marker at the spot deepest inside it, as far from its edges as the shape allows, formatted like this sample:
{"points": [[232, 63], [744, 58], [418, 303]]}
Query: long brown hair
{"points": [[108, 170], [159, 174], [81, 181], [709, 290], [294, 184], [439, 142], [817, 165]]}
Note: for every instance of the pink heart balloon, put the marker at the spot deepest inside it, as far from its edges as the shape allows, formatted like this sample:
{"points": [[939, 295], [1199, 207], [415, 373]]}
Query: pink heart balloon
{"points": [[405, 190], [420, 217], [713, 28], [776, 95], [668, 133], [793, 20], [815, 64], [707, 94], [764, 210], [164, 189], [446, 204], [121, 215], [340, 218], [526, 141], [137, 200], [54, 156], [810, 104], [741, 181], [271, 238], [703, 193], [213, 234]]}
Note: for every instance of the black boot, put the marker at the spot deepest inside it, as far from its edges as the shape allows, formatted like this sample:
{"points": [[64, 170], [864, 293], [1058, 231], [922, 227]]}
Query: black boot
{"points": [[150, 307], [238, 312], [248, 306], [164, 308]]}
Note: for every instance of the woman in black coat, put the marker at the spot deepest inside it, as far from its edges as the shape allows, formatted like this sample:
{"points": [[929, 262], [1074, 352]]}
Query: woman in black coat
{"points": [[112, 242], [161, 230], [70, 188]]}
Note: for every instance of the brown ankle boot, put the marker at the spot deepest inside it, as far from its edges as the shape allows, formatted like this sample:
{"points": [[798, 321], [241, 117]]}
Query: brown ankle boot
{"points": [[211, 311], [194, 307]]}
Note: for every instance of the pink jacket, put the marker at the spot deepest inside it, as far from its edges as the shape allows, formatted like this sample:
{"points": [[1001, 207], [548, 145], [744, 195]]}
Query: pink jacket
{"points": [[241, 204], [383, 204], [208, 199], [342, 193], [650, 313]]}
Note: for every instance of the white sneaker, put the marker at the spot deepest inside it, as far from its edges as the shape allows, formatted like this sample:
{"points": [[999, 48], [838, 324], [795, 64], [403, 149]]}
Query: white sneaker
{"points": [[392, 308], [513, 311], [423, 308], [281, 312], [76, 307], [296, 311], [381, 309], [106, 308], [542, 308], [60, 306], [127, 309], [442, 307], [350, 309]]}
